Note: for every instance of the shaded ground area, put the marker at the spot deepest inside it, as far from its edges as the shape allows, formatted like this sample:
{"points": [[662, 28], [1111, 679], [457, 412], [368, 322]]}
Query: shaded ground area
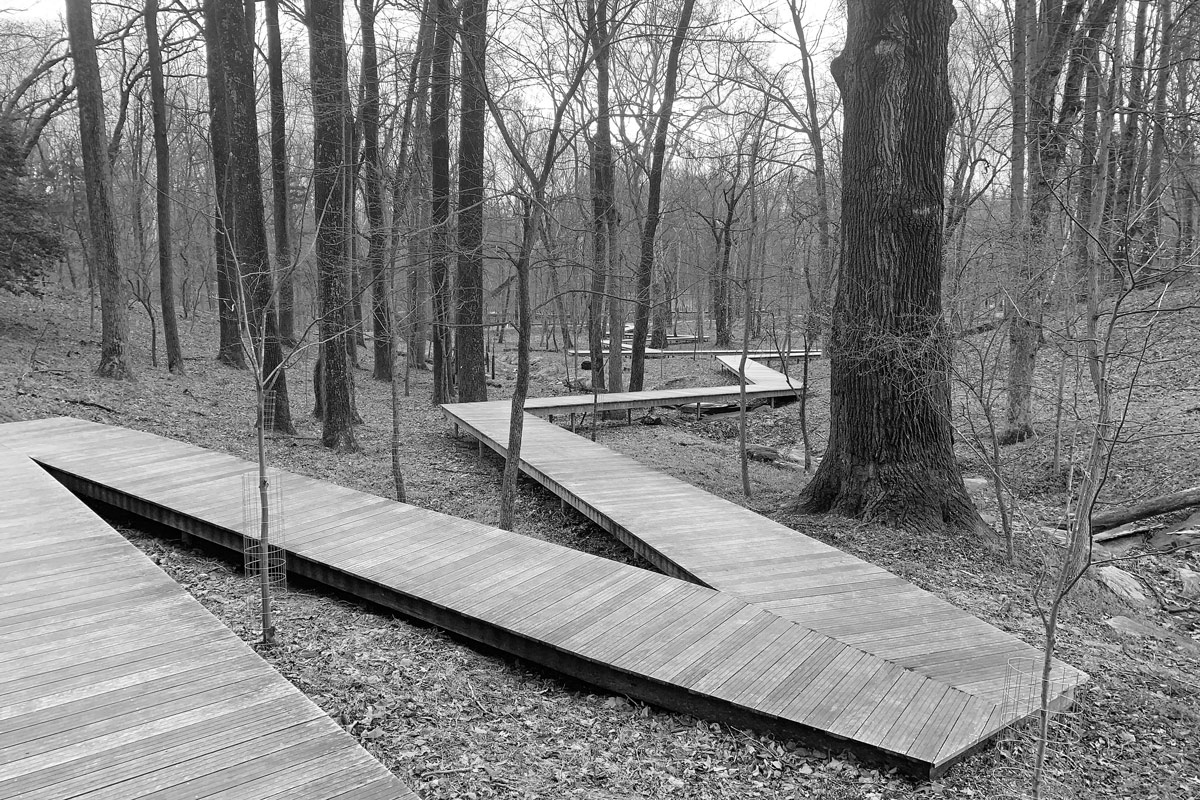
{"points": [[457, 723]]}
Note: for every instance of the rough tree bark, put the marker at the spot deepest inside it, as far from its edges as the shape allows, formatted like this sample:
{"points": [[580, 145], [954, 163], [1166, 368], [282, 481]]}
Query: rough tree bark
{"points": [[1065, 39], [162, 163], [439, 154], [417, 236], [238, 177], [286, 301], [890, 457], [331, 106], [604, 216], [377, 239], [229, 347], [97, 177], [469, 354]]}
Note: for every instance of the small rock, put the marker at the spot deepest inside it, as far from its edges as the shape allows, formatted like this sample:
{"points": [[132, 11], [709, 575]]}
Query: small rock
{"points": [[1127, 737], [1125, 586], [976, 485], [1135, 627], [1190, 581]]}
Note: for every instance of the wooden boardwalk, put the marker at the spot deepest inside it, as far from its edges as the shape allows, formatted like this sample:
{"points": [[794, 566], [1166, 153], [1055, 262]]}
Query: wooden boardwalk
{"points": [[762, 383], [650, 636], [651, 352], [691, 534], [115, 683]]}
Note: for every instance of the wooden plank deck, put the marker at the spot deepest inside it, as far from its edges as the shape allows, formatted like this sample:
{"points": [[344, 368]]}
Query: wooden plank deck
{"points": [[693, 535], [115, 683], [762, 383], [663, 640], [651, 352]]}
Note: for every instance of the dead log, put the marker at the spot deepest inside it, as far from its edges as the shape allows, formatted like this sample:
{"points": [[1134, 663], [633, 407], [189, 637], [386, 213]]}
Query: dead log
{"points": [[1163, 504]]}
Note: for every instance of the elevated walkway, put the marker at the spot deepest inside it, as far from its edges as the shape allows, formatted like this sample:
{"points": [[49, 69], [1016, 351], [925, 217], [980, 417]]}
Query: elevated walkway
{"points": [[115, 683], [650, 636]]}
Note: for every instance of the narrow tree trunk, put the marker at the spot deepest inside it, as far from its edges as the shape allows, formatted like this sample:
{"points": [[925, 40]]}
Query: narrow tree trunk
{"points": [[825, 271], [604, 219], [239, 196], [381, 315], [284, 277], [97, 177], [330, 108], [645, 267], [439, 249], [162, 161], [722, 302], [468, 333], [516, 429], [891, 456], [1129, 167], [1155, 187], [599, 282], [616, 323]]}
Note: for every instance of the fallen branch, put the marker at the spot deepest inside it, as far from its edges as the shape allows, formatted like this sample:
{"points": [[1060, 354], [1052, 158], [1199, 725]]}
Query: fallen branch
{"points": [[87, 403], [1163, 504]]}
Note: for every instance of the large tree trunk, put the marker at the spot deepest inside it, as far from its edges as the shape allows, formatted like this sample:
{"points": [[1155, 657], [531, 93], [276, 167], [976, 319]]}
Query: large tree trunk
{"points": [[229, 347], [162, 163], [238, 178], [469, 353], [377, 238], [891, 457], [439, 248], [331, 106], [645, 267], [285, 279], [97, 177]]}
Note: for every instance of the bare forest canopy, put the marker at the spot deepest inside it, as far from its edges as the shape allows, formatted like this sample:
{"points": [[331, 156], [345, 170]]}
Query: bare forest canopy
{"points": [[414, 178]]}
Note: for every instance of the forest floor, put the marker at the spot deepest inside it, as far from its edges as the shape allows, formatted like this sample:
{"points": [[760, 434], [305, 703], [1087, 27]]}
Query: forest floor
{"points": [[457, 722]]}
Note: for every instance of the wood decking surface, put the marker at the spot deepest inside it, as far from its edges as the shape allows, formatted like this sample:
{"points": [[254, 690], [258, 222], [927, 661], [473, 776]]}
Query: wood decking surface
{"points": [[115, 683], [694, 535], [762, 383], [667, 641]]}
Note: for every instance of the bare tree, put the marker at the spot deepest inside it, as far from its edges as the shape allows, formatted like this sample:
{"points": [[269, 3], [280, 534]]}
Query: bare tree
{"points": [[97, 169], [162, 161], [645, 267]]}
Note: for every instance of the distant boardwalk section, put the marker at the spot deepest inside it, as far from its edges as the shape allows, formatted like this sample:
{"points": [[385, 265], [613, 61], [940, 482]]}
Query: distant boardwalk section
{"points": [[115, 683]]}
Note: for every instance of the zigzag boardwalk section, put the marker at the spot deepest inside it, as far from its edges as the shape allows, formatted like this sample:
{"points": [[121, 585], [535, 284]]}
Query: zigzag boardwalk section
{"points": [[763, 383], [115, 683], [647, 635], [696, 536]]}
